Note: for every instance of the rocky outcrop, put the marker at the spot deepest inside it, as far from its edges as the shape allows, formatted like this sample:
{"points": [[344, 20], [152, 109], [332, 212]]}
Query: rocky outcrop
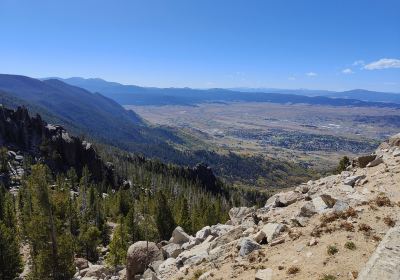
{"points": [[139, 255], [51, 144]]}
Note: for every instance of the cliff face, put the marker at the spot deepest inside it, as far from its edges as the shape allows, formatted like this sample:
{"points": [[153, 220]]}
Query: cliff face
{"points": [[51, 144], [343, 226]]}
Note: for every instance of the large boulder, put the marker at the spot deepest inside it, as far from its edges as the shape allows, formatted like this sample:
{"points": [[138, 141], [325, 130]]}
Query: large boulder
{"points": [[363, 161], [98, 271], [272, 230], [230, 236], [284, 199], [247, 246], [307, 210], [353, 179], [179, 236], [139, 255], [171, 250], [220, 229], [237, 214], [81, 263], [287, 198], [323, 202], [203, 233]]}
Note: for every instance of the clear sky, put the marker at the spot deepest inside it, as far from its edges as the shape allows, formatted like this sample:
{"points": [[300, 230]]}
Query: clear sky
{"points": [[317, 44]]}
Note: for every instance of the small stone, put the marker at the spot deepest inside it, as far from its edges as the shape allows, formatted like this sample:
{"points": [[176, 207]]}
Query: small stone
{"points": [[313, 242], [264, 274]]}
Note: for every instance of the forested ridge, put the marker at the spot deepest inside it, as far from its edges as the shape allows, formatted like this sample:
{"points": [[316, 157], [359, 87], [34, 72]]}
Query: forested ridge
{"points": [[55, 213]]}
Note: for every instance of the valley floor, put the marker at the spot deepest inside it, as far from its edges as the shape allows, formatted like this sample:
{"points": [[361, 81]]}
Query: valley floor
{"points": [[316, 136]]}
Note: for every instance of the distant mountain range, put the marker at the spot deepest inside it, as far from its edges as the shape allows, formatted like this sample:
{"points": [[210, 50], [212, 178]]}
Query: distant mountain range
{"points": [[136, 95], [360, 94], [82, 112], [105, 121]]}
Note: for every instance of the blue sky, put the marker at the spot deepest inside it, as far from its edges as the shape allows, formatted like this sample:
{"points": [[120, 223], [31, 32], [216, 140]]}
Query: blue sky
{"points": [[317, 44]]}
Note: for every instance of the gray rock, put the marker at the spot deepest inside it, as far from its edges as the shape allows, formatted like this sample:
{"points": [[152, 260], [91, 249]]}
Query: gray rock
{"points": [[247, 246], [287, 198], [307, 210], [230, 236], [264, 274], [385, 261], [179, 236], [171, 250], [340, 206], [220, 229], [168, 269], [323, 202], [375, 162], [99, 271], [203, 233], [396, 153], [237, 214], [299, 221], [353, 179], [150, 275]]}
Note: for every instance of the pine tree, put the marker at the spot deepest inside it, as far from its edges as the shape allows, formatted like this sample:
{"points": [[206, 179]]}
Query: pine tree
{"points": [[164, 219], [185, 220], [90, 239], [10, 259], [118, 246]]}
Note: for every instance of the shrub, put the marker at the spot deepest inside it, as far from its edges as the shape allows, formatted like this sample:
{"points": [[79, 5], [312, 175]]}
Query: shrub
{"points": [[376, 238], [382, 200], [332, 250], [328, 277], [350, 245], [347, 226], [389, 221], [293, 270], [197, 274], [365, 228]]}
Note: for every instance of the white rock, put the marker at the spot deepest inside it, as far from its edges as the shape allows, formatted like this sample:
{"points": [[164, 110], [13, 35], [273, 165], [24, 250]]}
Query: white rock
{"points": [[272, 230], [264, 274]]}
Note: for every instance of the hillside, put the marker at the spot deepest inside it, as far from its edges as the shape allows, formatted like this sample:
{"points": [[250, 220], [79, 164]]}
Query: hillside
{"points": [[101, 119], [343, 226], [135, 95]]}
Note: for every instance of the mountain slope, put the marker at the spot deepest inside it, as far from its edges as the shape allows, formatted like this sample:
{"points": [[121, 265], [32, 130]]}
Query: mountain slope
{"points": [[135, 95], [105, 121], [343, 226]]}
